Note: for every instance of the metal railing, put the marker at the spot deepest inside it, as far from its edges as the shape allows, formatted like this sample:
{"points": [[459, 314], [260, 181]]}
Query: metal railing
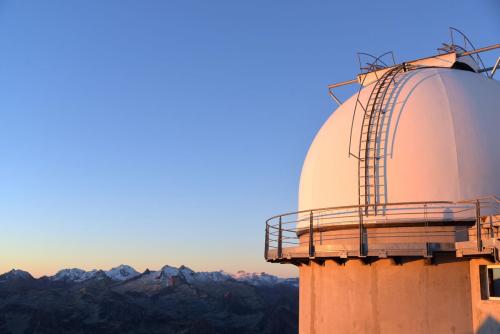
{"points": [[460, 45], [302, 231]]}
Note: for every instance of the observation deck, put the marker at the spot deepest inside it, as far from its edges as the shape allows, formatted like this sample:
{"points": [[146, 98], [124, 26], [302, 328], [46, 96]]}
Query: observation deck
{"points": [[409, 229], [414, 133]]}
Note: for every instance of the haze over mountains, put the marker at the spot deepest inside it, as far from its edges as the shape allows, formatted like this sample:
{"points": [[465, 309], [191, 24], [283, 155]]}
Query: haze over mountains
{"points": [[169, 300]]}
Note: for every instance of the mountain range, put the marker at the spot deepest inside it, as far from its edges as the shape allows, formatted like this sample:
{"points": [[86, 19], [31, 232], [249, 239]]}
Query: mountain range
{"points": [[169, 300]]}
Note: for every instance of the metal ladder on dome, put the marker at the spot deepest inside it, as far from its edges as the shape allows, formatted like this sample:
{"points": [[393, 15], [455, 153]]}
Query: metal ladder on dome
{"points": [[372, 148]]}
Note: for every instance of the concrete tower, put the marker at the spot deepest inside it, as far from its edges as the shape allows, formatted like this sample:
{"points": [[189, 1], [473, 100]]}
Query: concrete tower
{"points": [[399, 217]]}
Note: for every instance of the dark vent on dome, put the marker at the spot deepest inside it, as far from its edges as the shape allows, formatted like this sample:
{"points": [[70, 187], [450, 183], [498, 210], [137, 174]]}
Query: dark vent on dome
{"points": [[462, 66]]}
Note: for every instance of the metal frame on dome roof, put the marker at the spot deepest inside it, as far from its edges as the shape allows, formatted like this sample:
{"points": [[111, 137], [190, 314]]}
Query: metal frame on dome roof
{"points": [[377, 62], [457, 50]]}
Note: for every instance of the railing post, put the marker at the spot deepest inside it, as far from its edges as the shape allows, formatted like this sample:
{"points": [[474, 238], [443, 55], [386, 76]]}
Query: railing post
{"points": [[426, 231], [492, 232], [311, 235], [478, 227], [361, 233], [266, 247], [280, 240]]}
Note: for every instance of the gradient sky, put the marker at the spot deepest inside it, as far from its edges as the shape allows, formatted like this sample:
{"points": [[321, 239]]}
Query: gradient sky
{"points": [[166, 132]]}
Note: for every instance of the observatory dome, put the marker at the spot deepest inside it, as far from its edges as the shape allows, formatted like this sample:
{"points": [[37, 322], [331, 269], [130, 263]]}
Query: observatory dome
{"points": [[441, 143]]}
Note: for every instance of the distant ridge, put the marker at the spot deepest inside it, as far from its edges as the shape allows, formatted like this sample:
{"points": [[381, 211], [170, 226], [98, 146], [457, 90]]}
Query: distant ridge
{"points": [[15, 275], [167, 274], [120, 273], [170, 300]]}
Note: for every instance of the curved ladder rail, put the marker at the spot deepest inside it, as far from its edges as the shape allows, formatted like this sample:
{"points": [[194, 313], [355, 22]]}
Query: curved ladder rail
{"points": [[371, 147]]}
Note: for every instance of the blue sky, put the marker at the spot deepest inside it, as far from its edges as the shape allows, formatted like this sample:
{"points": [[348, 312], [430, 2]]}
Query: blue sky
{"points": [[166, 132]]}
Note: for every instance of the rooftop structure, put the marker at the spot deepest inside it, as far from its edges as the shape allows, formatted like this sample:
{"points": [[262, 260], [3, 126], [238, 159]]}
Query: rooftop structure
{"points": [[404, 170]]}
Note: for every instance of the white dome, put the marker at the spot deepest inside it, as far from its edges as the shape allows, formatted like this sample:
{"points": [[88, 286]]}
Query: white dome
{"points": [[441, 143]]}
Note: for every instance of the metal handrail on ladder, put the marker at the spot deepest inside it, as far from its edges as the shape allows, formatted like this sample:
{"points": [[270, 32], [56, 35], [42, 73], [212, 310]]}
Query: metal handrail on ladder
{"points": [[369, 142], [358, 101]]}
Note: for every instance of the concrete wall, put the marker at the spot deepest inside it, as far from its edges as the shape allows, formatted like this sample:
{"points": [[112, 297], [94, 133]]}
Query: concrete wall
{"points": [[485, 313], [386, 298]]}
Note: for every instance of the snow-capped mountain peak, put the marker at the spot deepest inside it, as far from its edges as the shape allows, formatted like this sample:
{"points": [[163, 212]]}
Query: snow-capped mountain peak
{"points": [[185, 269], [191, 276], [187, 273], [73, 275], [166, 272], [122, 272], [15, 274]]}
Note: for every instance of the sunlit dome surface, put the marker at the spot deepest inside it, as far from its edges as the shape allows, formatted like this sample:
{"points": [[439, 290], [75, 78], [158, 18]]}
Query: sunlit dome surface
{"points": [[441, 143]]}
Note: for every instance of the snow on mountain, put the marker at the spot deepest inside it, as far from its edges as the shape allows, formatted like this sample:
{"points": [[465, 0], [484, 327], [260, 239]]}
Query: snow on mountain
{"points": [[165, 277], [73, 275], [150, 282], [167, 272], [15, 275], [263, 279], [256, 278], [188, 274], [191, 276], [215, 276], [122, 273], [293, 281]]}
